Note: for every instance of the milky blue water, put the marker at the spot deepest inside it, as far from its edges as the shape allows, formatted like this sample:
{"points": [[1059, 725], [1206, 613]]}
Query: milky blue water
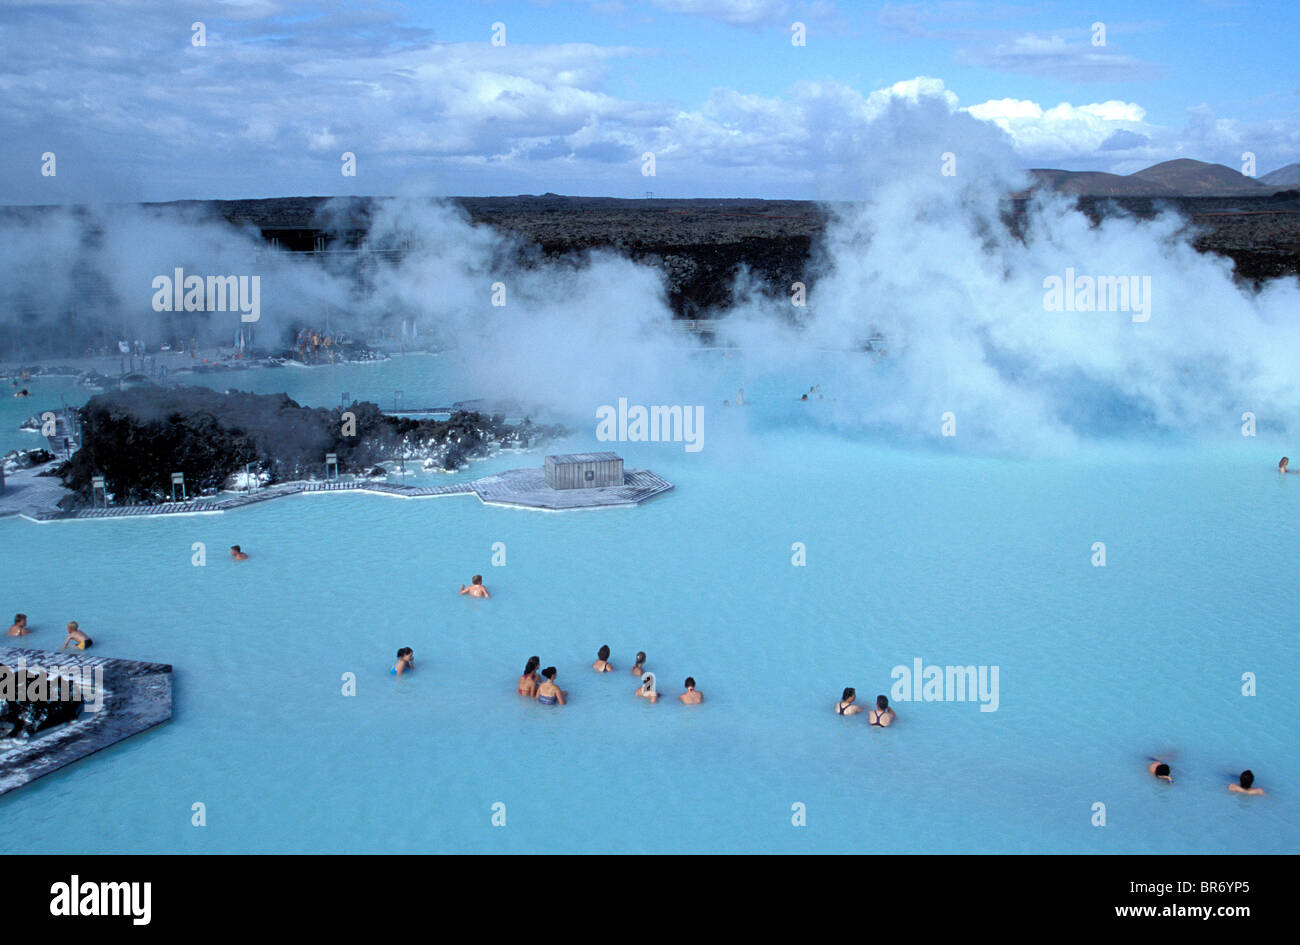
{"points": [[910, 553]]}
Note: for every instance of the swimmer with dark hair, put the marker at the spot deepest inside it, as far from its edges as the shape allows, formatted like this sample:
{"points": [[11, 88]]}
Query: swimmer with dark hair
{"points": [[1282, 466], [690, 696], [529, 681], [1246, 785], [882, 715], [19, 628], [76, 637], [548, 693], [647, 688], [237, 554], [475, 588], [602, 661], [405, 661], [1160, 770], [846, 704], [639, 668]]}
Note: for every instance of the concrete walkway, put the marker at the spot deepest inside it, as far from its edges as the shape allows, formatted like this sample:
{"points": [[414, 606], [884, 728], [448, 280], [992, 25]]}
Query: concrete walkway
{"points": [[126, 698]]}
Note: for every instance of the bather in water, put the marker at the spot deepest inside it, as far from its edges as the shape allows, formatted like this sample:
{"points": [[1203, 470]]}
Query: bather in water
{"points": [[848, 702], [530, 680], [882, 715], [1246, 784], [548, 693], [77, 637], [691, 696], [1160, 770], [647, 688]]}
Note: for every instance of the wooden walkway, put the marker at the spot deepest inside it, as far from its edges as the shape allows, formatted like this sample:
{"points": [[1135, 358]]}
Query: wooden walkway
{"points": [[516, 488], [212, 505]]}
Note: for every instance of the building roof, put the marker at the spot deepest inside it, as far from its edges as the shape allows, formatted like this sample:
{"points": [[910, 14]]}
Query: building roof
{"points": [[566, 458]]}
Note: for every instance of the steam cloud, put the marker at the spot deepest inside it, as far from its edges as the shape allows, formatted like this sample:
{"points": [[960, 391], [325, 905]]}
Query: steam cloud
{"points": [[923, 258]]}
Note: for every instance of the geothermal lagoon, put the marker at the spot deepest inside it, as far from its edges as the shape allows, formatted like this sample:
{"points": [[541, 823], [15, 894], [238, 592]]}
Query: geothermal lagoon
{"points": [[796, 556]]}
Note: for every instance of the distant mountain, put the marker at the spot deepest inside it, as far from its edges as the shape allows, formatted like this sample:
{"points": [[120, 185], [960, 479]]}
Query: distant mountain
{"points": [[1288, 176], [1180, 178], [1189, 178], [1099, 184]]}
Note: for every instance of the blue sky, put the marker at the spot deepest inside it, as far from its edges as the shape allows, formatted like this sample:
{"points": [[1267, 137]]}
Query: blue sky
{"points": [[132, 110]]}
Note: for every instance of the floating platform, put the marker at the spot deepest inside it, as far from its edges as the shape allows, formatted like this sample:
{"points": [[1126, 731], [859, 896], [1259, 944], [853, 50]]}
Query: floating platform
{"points": [[136, 697], [515, 488]]}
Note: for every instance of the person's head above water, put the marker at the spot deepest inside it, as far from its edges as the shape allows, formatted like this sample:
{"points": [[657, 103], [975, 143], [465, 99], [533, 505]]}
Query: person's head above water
{"points": [[405, 652], [648, 682], [476, 579], [849, 693], [640, 657], [882, 703], [20, 618], [690, 682], [602, 653], [235, 549], [1247, 778], [532, 664], [1282, 463], [549, 673], [1162, 771]]}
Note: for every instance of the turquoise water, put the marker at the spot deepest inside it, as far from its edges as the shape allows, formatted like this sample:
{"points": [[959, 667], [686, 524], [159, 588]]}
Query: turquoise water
{"points": [[910, 553]]}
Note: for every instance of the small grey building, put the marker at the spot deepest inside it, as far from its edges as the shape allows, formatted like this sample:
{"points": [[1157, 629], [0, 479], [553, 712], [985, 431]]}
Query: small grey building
{"points": [[584, 470]]}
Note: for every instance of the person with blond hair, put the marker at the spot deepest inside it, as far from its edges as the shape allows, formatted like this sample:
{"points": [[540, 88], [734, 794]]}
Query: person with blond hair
{"points": [[76, 637]]}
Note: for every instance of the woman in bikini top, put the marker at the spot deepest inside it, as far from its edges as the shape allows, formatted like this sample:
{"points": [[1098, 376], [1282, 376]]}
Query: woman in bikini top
{"points": [[549, 693], [529, 681]]}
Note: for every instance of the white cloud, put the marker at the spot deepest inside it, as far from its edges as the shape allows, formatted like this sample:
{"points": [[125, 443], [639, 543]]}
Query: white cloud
{"points": [[747, 13], [254, 107], [735, 12], [1005, 110], [1064, 131], [1053, 55]]}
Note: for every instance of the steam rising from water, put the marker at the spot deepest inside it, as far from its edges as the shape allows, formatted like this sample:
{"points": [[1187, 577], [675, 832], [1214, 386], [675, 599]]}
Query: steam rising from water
{"points": [[923, 258]]}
